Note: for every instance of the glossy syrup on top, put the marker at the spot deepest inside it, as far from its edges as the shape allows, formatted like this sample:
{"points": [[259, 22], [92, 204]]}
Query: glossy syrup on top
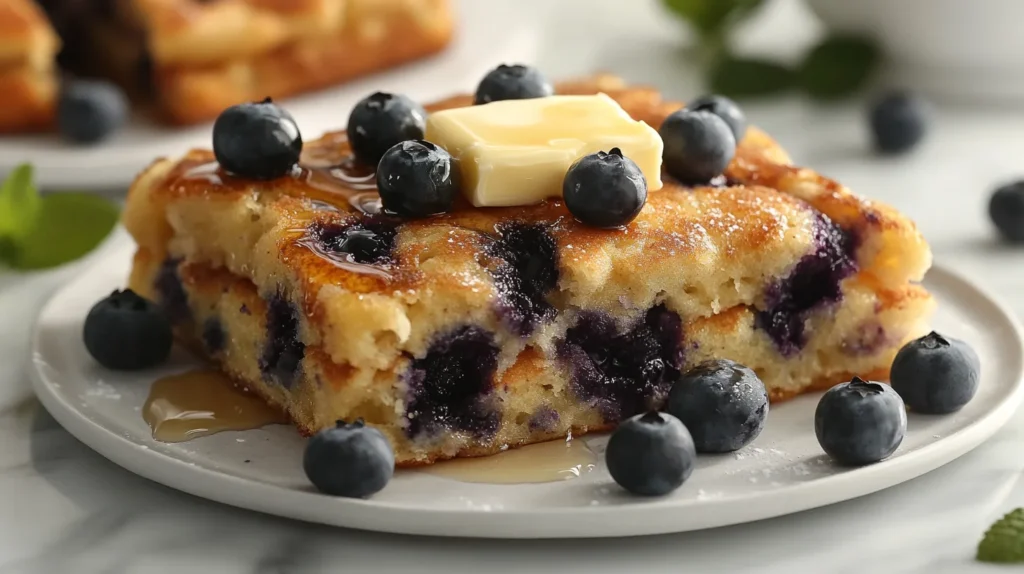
{"points": [[347, 186], [328, 177]]}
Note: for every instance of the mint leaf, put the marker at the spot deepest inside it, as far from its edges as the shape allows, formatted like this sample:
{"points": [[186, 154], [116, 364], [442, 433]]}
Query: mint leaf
{"points": [[19, 203], [68, 226], [709, 16], [1004, 541], [839, 66], [743, 77]]}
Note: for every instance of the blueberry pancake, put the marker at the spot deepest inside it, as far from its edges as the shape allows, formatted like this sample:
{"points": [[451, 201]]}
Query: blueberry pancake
{"points": [[191, 59], [28, 78], [480, 329]]}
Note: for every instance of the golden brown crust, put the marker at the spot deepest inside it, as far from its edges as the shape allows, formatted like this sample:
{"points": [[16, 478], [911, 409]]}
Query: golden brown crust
{"points": [[284, 55], [205, 57], [27, 100], [28, 81], [26, 37], [891, 248]]}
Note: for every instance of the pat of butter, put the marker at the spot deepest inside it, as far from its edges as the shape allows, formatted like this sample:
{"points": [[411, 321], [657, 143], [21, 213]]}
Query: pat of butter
{"points": [[516, 152]]}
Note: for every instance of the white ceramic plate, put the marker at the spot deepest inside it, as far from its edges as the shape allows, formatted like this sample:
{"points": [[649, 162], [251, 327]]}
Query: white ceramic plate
{"points": [[489, 33], [783, 471]]}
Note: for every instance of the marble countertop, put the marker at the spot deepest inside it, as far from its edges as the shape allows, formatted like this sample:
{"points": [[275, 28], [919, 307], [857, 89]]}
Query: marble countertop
{"points": [[64, 508]]}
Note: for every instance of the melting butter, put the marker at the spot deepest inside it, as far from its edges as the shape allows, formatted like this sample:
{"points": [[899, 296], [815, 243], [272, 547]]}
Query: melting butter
{"points": [[516, 152]]}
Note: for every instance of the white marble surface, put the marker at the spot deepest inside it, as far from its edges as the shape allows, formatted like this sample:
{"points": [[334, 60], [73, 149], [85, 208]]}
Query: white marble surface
{"points": [[65, 509]]}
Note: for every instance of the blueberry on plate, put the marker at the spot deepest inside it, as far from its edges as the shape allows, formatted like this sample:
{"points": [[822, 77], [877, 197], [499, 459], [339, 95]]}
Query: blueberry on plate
{"points": [[722, 403], [89, 111], [650, 454], [1006, 209], [604, 189], [125, 332], [898, 122], [257, 140], [350, 460], [417, 178], [698, 145], [935, 374], [381, 120], [860, 422], [724, 108], [516, 82]]}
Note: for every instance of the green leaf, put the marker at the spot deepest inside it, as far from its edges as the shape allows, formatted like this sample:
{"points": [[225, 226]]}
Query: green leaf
{"points": [[743, 77], [1004, 541], [69, 225], [19, 203], [838, 67], [709, 16]]}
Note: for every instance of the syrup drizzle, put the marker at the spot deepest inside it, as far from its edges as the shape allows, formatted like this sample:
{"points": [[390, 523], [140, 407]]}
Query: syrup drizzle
{"points": [[348, 183], [343, 260], [205, 172], [200, 403], [552, 461], [344, 186]]}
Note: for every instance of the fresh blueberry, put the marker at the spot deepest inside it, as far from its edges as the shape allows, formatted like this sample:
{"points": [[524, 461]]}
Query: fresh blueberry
{"points": [[515, 82], [381, 120], [417, 178], [89, 111], [724, 108], [935, 375], [258, 140], [722, 403], [125, 332], [898, 121], [1006, 209], [650, 454], [860, 422], [604, 189], [350, 460], [698, 145]]}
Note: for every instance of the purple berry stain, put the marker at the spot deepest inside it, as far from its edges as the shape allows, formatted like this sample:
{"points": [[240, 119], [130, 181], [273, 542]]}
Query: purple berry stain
{"points": [[283, 351], [173, 297], [544, 419], [213, 335], [368, 241], [624, 373], [527, 271], [449, 389], [815, 281]]}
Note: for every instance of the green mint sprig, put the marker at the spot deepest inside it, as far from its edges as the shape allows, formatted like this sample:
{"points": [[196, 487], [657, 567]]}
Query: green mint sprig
{"points": [[1004, 540], [839, 66], [38, 232]]}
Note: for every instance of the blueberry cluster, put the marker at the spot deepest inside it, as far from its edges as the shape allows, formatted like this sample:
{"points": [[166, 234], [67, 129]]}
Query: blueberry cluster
{"points": [[417, 178], [700, 139], [721, 406], [862, 422], [718, 406]]}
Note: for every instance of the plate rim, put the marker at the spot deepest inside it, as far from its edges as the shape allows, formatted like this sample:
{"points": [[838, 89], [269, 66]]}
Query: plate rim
{"points": [[603, 521]]}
